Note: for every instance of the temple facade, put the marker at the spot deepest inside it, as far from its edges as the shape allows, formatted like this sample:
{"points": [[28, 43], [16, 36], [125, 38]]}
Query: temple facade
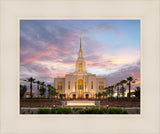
{"points": [[80, 84]]}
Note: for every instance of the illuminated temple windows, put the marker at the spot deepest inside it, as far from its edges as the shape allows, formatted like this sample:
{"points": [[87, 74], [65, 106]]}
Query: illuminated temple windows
{"points": [[91, 84], [80, 83], [68, 84], [80, 67]]}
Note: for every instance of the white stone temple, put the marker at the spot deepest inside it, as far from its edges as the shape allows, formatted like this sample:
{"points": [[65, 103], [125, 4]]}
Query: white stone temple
{"points": [[80, 84]]}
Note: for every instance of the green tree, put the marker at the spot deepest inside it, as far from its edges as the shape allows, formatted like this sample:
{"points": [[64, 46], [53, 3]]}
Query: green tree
{"points": [[54, 92], [31, 81], [23, 89], [129, 81], [96, 95], [62, 96], [104, 94], [99, 95]]}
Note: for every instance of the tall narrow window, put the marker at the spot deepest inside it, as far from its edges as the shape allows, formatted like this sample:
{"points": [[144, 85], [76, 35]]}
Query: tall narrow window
{"points": [[59, 85], [80, 84], [91, 84], [80, 67], [101, 85], [80, 54], [68, 84], [75, 86], [85, 86]]}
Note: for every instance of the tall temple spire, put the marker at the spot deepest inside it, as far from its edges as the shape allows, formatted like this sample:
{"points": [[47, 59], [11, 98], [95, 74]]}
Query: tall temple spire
{"points": [[80, 50], [80, 40]]}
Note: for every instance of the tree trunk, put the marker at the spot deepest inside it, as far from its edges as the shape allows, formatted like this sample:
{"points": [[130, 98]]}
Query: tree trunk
{"points": [[129, 95], [122, 91], [38, 90], [117, 92]]}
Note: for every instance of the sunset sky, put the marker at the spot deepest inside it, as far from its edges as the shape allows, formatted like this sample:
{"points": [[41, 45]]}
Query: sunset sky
{"points": [[49, 48]]}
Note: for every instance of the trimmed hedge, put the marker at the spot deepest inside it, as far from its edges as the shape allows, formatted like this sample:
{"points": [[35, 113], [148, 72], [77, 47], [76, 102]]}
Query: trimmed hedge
{"points": [[64, 111], [116, 111], [92, 110], [53, 111], [43, 111]]}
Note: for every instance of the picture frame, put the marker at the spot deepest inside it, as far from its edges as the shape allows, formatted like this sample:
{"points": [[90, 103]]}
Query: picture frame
{"points": [[147, 122]]}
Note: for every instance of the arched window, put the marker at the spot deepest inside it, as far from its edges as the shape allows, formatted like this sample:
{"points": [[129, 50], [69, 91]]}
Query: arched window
{"points": [[91, 84], [68, 84], [80, 67]]}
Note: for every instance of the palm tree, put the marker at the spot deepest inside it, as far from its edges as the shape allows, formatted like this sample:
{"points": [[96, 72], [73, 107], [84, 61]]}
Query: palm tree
{"points": [[107, 91], [111, 90], [23, 89], [38, 84], [129, 81], [31, 80], [103, 94], [137, 92], [42, 89], [122, 82], [49, 90], [117, 86], [54, 92]]}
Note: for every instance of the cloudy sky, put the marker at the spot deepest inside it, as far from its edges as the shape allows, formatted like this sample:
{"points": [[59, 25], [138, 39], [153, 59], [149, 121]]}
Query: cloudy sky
{"points": [[49, 48]]}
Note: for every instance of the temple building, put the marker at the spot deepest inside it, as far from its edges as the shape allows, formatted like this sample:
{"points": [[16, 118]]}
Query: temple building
{"points": [[80, 84]]}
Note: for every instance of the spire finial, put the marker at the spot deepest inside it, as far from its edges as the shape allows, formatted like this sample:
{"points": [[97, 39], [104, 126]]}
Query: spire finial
{"points": [[80, 40]]}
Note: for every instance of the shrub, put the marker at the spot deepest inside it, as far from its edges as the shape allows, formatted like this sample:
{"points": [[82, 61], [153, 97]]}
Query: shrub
{"points": [[114, 111], [64, 111], [76, 109], [91, 111], [53, 111], [125, 112], [43, 111]]}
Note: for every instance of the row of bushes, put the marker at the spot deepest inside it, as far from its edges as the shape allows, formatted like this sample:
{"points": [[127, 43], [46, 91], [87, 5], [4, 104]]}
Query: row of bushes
{"points": [[82, 111], [55, 111]]}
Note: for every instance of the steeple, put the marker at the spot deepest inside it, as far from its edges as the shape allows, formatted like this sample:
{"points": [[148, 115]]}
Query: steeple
{"points": [[80, 50], [80, 63]]}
